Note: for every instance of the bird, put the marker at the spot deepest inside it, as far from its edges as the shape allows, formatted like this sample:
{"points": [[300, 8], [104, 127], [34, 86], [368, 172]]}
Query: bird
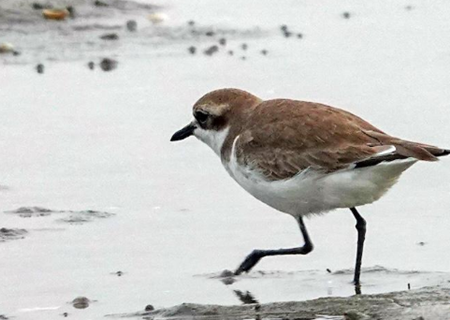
{"points": [[302, 158]]}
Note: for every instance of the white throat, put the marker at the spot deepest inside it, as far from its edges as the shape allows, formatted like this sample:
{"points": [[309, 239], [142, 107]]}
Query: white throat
{"points": [[212, 138]]}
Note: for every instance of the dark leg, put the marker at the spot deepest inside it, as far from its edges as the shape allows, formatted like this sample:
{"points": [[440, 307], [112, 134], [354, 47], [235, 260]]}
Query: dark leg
{"points": [[256, 255], [361, 227]]}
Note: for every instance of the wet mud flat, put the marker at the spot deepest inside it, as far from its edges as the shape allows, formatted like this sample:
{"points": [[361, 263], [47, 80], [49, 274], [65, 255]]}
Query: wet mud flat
{"points": [[431, 303], [119, 28]]}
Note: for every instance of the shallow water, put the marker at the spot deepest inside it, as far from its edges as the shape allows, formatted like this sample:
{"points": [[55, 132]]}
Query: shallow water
{"points": [[73, 139]]}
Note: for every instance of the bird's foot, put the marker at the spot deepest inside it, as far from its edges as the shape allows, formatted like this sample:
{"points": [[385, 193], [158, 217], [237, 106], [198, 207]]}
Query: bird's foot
{"points": [[250, 261], [357, 287]]}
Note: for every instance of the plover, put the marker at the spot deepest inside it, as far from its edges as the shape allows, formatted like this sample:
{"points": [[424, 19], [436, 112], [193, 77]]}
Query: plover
{"points": [[302, 158]]}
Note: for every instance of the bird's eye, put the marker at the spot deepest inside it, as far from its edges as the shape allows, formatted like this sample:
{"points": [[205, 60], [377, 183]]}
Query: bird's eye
{"points": [[201, 116]]}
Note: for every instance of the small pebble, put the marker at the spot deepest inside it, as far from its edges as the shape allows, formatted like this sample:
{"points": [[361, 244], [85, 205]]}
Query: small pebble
{"points": [[91, 65], [192, 50], [65, 314], [329, 270], [119, 273], [131, 25], [191, 23], [222, 41], [231, 52], [346, 15], [210, 33], [80, 303], [211, 50], [243, 58], [264, 52], [409, 286], [71, 10], [108, 64], [40, 68], [244, 46], [99, 3], [300, 35], [287, 34], [284, 28], [226, 273], [421, 243], [409, 8], [110, 36], [40, 6], [149, 307]]}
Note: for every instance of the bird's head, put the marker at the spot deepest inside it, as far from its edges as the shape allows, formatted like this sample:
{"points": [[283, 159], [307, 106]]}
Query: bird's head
{"points": [[214, 113]]}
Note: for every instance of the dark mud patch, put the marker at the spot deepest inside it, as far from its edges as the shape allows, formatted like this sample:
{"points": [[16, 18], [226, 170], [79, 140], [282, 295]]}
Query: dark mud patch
{"points": [[12, 234], [65, 216], [28, 212], [80, 217], [430, 303]]}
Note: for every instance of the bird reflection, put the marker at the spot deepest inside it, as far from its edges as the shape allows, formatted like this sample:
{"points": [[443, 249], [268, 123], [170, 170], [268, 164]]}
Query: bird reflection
{"points": [[245, 297]]}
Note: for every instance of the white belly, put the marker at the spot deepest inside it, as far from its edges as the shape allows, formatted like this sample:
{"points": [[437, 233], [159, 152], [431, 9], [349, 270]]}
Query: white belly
{"points": [[312, 192]]}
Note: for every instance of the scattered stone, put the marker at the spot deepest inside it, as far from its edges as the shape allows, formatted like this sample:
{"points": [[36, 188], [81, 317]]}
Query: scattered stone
{"points": [[287, 34], [6, 47], [119, 273], [71, 11], [284, 28], [99, 3], [300, 35], [108, 64], [91, 65], [158, 17], [244, 46], [231, 52], [40, 6], [131, 25], [191, 23], [222, 41], [65, 314], [421, 243], [243, 58], [12, 234], [40, 68], [192, 50], [110, 36], [81, 302], [149, 307], [409, 286], [264, 52], [226, 273], [329, 270], [209, 33], [55, 14], [211, 50], [28, 212], [346, 15], [409, 8]]}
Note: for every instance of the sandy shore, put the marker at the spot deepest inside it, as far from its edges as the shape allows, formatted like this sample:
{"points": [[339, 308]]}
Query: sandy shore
{"points": [[430, 303]]}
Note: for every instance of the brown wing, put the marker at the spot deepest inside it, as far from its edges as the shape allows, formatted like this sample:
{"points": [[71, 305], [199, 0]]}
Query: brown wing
{"points": [[285, 137]]}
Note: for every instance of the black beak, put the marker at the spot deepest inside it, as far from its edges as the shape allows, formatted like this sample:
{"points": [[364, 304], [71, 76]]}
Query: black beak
{"points": [[184, 133]]}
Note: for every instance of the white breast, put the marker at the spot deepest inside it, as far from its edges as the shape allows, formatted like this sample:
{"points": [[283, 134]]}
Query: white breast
{"points": [[311, 191]]}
